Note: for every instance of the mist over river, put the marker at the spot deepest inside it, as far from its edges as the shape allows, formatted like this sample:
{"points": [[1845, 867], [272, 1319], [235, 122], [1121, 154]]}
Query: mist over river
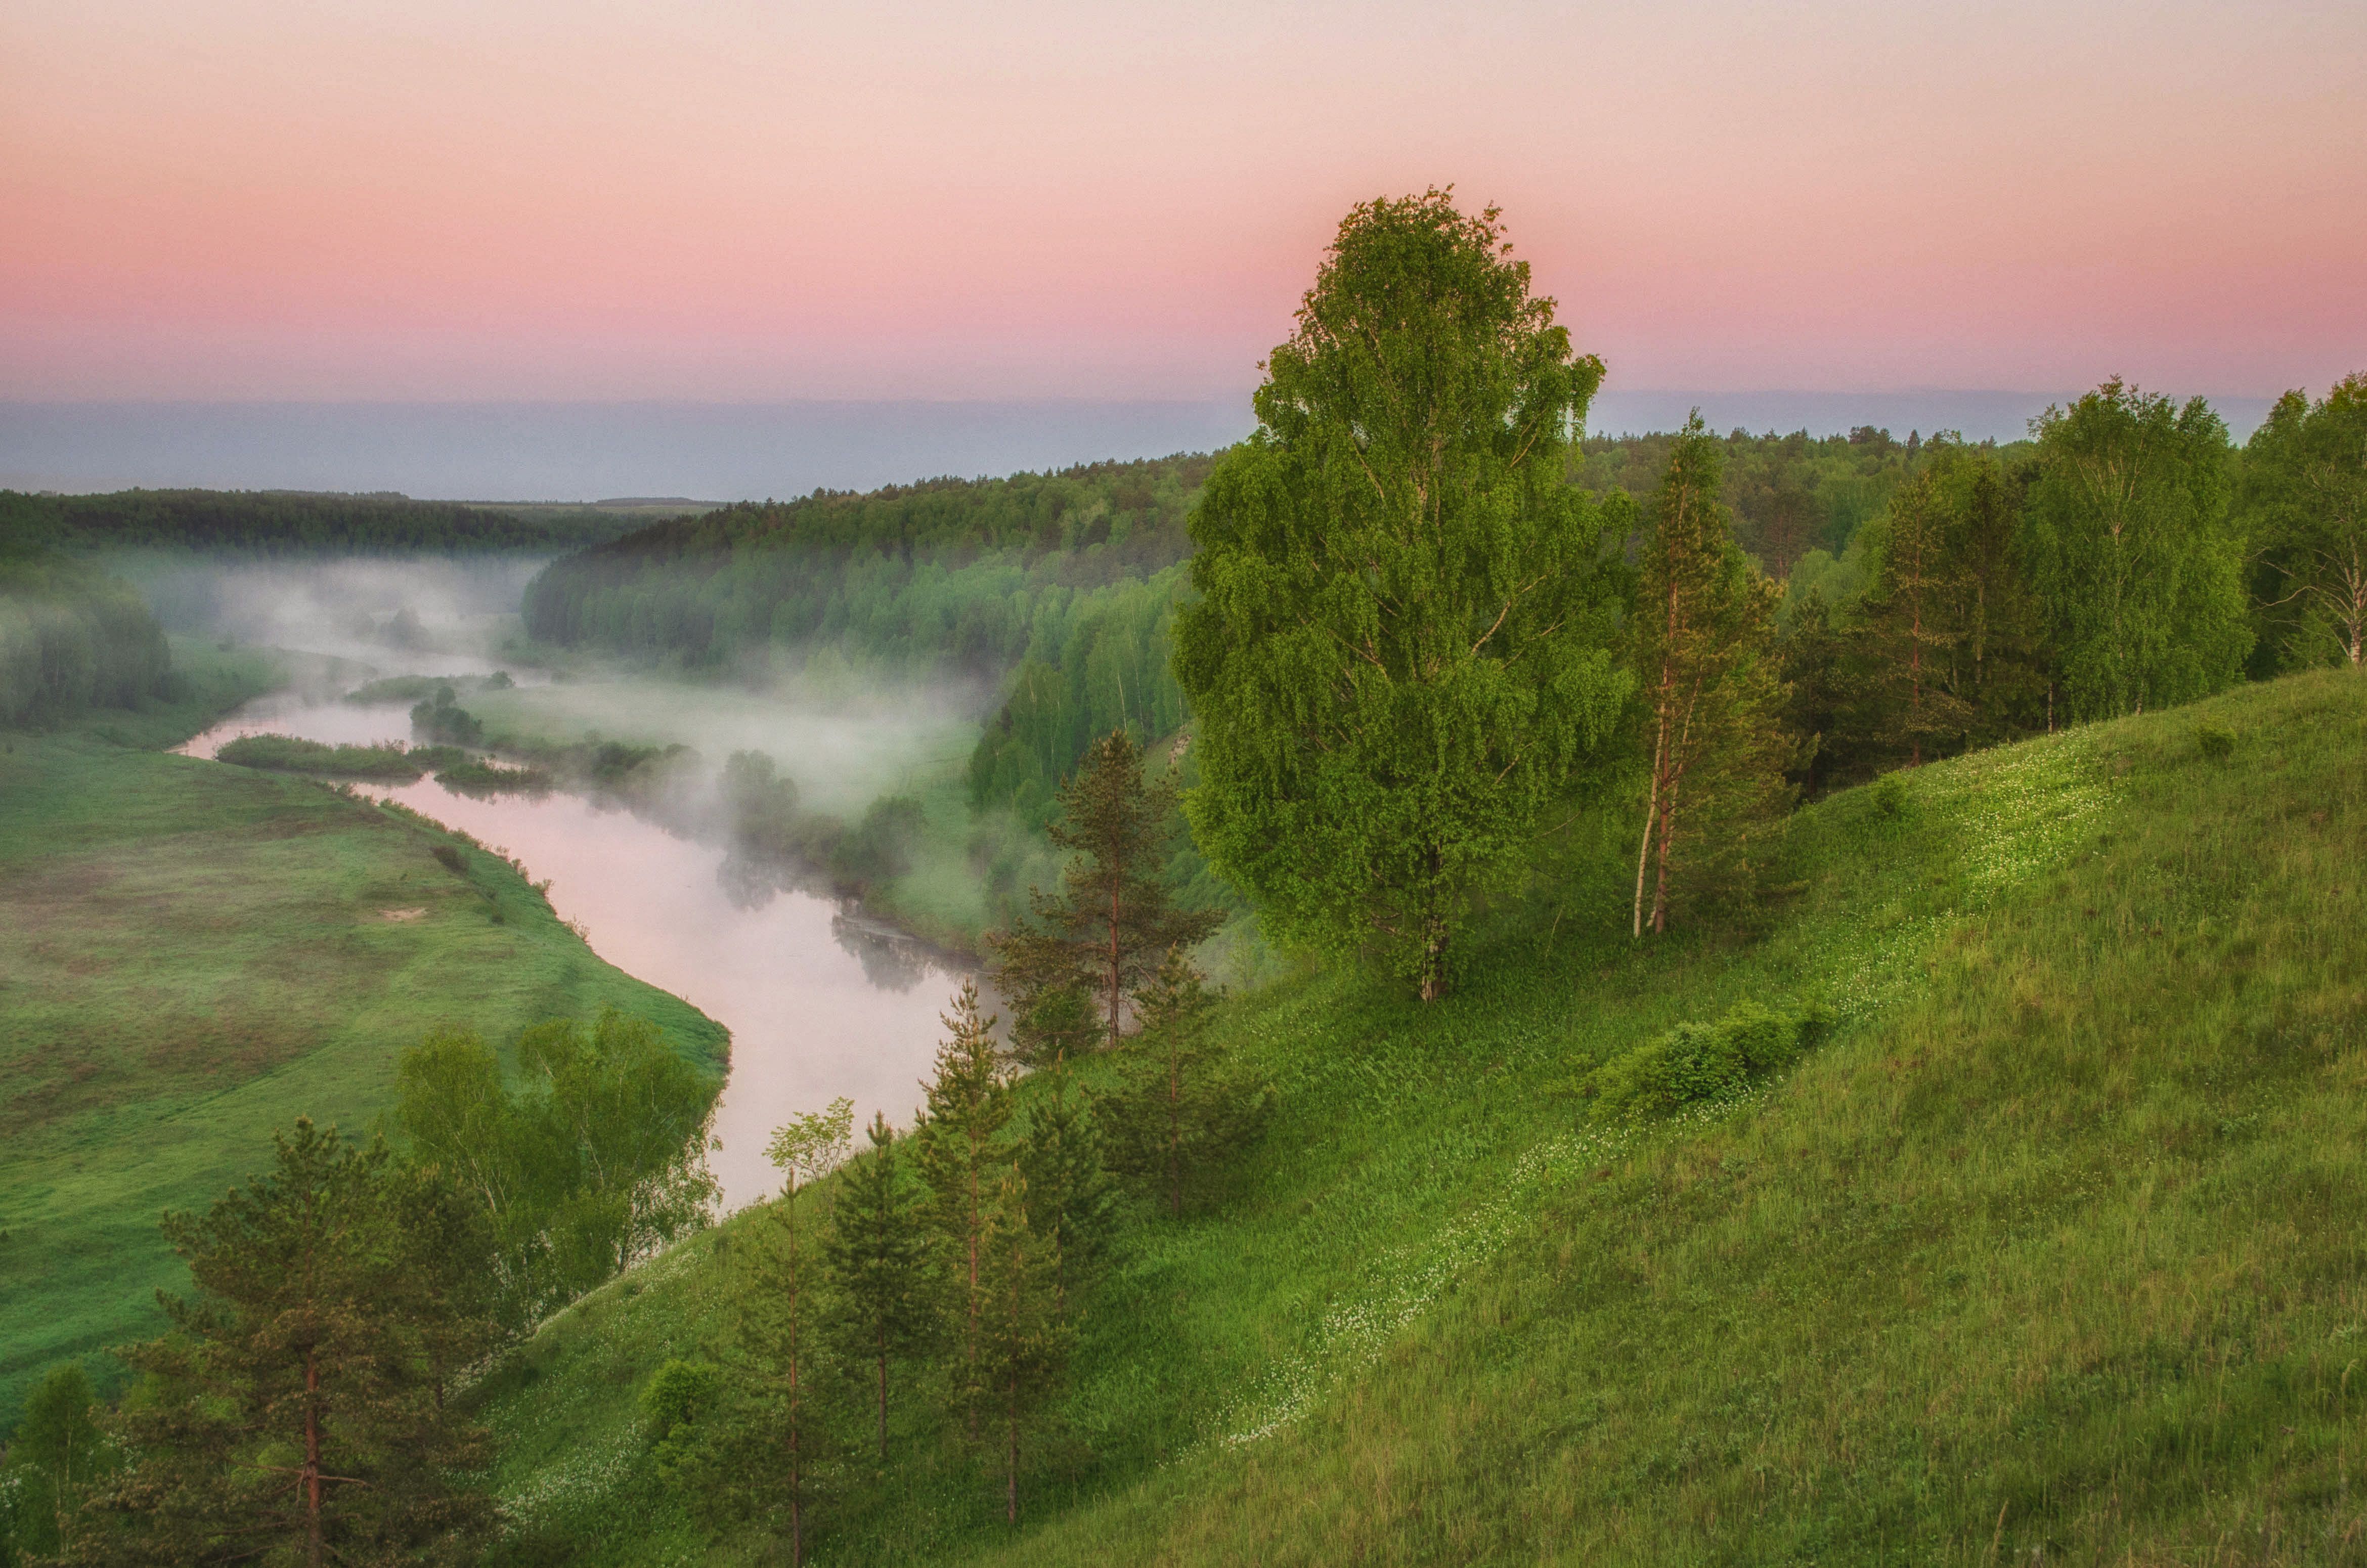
{"points": [[819, 1002]]}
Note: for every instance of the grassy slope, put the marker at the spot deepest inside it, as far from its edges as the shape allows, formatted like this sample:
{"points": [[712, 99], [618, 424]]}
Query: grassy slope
{"points": [[193, 954], [2055, 1247]]}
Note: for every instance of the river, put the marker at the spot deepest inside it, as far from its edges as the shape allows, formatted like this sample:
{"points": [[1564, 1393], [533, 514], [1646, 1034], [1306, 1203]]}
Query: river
{"points": [[820, 1003]]}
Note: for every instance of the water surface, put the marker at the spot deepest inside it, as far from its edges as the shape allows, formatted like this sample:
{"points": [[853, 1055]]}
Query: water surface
{"points": [[819, 1002]]}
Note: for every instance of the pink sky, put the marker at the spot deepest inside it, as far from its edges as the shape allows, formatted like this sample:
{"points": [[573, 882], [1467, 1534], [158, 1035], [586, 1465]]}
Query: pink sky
{"points": [[735, 201]]}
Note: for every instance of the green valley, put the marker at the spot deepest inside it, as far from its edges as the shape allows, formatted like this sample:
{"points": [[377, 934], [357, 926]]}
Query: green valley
{"points": [[193, 955]]}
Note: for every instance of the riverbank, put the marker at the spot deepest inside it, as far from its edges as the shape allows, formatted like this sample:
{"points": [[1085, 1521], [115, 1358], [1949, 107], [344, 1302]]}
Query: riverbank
{"points": [[196, 954]]}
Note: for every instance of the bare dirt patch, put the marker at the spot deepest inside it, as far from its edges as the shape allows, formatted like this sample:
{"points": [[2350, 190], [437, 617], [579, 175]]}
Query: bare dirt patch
{"points": [[399, 916]]}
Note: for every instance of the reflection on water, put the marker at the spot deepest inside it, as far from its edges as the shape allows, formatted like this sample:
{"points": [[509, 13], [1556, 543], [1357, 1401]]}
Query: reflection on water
{"points": [[819, 1001]]}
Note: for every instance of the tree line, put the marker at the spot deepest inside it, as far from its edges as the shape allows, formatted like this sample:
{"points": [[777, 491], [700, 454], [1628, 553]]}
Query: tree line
{"points": [[292, 522]]}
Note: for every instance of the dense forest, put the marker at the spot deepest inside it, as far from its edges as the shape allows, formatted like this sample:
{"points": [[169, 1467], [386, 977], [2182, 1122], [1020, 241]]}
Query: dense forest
{"points": [[286, 522], [1063, 587]]}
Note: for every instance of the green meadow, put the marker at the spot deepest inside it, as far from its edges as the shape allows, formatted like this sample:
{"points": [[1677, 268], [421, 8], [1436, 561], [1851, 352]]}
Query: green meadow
{"points": [[193, 954], [2051, 1251]]}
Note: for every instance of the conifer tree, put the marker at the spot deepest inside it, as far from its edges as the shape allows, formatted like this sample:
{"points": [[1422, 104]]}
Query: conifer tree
{"points": [[773, 1320], [877, 1263], [1113, 916], [1818, 671], [1071, 1202], [292, 1415], [1999, 658], [1179, 1105], [1910, 626], [1024, 1341], [963, 1153], [1704, 650]]}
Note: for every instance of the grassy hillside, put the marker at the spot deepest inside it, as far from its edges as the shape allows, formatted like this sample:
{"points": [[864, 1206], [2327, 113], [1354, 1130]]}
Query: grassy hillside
{"points": [[2051, 1252], [193, 954]]}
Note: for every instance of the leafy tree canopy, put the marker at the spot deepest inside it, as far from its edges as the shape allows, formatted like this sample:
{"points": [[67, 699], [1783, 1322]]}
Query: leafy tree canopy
{"points": [[1403, 638]]}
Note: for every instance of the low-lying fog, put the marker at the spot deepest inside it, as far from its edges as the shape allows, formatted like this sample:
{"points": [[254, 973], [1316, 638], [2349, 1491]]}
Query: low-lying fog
{"points": [[820, 1001]]}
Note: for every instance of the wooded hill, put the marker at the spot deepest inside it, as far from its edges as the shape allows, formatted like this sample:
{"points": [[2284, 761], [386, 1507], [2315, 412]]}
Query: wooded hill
{"points": [[2045, 1247]]}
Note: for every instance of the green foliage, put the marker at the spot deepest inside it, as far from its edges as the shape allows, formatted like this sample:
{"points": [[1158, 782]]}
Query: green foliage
{"points": [[676, 1395], [962, 1153], [1401, 646], [441, 721], [54, 1458], [2216, 741], [1940, 648], [935, 577], [1798, 500], [1071, 1202], [283, 522], [1115, 916], [298, 1408], [387, 762], [480, 778], [1179, 1108], [2137, 573], [1698, 1064], [596, 1159], [393, 689], [194, 955], [72, 639], [876, 1259], [1703, 646], [1024, 1338], [2303, 512], [1888, 796]]}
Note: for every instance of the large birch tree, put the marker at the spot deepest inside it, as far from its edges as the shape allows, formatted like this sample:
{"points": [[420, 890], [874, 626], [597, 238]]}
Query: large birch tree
{"points": [[1401, 639]]}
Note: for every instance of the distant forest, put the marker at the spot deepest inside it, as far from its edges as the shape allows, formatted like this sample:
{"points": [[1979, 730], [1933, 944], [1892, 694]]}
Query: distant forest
{"points": [[286, 522], [1062, 586]]}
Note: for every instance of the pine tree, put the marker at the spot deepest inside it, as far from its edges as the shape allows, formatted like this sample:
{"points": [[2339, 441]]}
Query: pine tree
{"points": [[1705, 656], [1115, 915], [293, 1412], [1071, 1202], [773, 1324], [1179, 1105], [1909, 624], [962, 1156], [1821, 698], [877, 1262], [1024, 1341]]}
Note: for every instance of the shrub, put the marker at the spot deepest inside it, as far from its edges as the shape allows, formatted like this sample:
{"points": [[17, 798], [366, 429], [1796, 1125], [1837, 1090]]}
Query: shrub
{"points": [[1890, 796], [2216, 741], [389, 764], [1695, 1062]]}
